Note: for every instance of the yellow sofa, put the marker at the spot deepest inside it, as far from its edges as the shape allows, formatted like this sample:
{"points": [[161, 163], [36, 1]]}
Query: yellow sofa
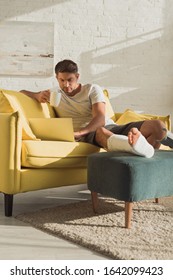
{"points": [[28, 163]]}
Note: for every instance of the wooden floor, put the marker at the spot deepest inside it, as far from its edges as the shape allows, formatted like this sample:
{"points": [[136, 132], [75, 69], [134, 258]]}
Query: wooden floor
{"points": [[20, 241]]}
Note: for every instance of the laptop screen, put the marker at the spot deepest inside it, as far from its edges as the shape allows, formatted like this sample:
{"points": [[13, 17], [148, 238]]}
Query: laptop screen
{"points": [[55, 129]]}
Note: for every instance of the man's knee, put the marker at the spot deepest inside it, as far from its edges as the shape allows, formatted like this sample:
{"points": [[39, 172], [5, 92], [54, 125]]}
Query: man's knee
{"points": [[101, 136], [100, 130], [99, 133], [154, 128], [159, 129]]}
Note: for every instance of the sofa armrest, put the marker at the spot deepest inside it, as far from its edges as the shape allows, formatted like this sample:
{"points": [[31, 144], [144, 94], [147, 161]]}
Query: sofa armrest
{"points": [[10, 144]]}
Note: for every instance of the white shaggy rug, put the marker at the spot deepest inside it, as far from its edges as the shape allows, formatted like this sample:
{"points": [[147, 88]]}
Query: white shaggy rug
{"points": [[151, 235]]}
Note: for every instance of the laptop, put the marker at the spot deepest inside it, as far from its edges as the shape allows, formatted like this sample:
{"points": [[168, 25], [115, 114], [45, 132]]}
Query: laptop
{"points": [[55, 129]]}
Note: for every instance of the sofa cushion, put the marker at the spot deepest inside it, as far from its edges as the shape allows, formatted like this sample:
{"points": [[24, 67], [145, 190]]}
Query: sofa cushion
{"points": [[53, 154], [9, 104], [131, 116]]}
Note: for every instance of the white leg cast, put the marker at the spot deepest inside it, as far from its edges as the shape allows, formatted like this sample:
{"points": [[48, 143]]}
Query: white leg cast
{"points": [[120, 143], [143, 148]]}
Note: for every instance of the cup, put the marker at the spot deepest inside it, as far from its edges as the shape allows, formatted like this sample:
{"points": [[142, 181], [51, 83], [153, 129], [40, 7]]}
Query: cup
{"points": [[55, 98]]}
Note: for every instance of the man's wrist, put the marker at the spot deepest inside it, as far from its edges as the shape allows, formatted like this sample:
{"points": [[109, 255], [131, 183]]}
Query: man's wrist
{"points": [[82, 133], [36, 95], [30, 93]]}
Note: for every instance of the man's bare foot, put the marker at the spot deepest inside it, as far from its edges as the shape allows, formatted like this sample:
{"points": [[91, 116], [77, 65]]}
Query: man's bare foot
{"points": [[133, 136], [139, 144]]}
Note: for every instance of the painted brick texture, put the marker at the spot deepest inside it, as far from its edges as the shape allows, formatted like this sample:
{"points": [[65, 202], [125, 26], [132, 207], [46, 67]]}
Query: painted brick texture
{"points": [[124, 46]]}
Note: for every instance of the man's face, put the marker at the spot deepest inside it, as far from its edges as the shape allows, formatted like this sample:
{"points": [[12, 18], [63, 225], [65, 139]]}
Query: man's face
{"points": [[68, 82]]}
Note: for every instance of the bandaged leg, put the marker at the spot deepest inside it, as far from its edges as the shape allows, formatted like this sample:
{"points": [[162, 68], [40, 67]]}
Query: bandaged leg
{"points": [[120, 143]]}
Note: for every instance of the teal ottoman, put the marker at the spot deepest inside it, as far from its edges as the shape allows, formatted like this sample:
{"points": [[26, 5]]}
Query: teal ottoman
{"points": [[130, 178]]}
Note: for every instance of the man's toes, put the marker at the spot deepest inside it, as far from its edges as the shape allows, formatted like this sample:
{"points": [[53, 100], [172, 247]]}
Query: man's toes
{"points": [[133, 135], [130, 137], [134, 130]]}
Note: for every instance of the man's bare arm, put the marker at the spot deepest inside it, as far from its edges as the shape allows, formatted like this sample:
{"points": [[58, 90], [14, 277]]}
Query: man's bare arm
{"points": [[98, 120], [40, 96]]}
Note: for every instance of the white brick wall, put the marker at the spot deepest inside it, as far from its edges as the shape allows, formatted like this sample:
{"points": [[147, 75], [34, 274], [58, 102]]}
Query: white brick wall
{"points": [[125, 46]]}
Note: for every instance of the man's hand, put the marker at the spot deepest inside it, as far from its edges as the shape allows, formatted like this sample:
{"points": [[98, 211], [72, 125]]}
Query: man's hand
{"points": [[77, 135], [43, 96], [98, 120]]}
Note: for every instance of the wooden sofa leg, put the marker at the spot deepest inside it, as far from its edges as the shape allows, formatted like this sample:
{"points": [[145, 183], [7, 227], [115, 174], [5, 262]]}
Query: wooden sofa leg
{"points": [[156, 200], [94, 198], [8, 203], [128, 213]]}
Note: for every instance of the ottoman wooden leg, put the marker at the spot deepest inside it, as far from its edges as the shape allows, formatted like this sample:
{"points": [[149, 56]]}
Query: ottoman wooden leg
{"points": [[94, 197], [128, 213], [156, 200]]}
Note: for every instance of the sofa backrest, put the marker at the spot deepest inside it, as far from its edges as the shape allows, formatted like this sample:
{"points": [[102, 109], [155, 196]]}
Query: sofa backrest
{"points": [[33, 109], [109, 109]]}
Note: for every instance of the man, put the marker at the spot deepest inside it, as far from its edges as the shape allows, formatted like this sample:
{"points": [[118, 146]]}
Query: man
{"points": [[85, 104]]}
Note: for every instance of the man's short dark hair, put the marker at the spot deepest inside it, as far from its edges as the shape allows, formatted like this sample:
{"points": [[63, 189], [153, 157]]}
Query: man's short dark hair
{"points": [[66, 66]]}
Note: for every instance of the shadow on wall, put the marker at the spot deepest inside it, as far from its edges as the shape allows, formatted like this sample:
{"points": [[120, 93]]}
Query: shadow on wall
{"points": [[140, 66], [137, 71], [9, 9]]}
